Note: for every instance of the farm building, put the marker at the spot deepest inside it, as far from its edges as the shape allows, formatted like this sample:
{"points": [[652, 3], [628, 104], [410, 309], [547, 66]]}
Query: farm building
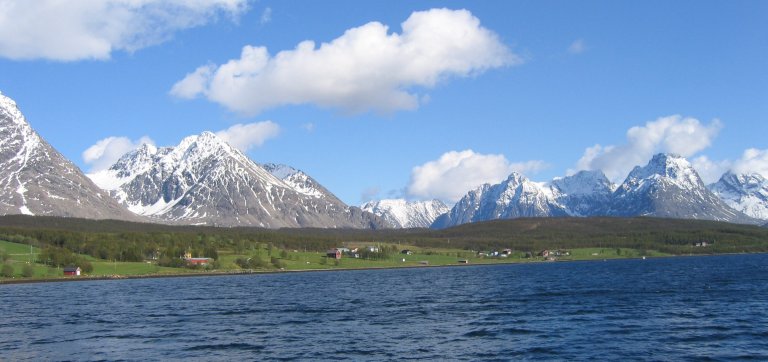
{"points": [[72, 270], [333, 253], [197, 261]]}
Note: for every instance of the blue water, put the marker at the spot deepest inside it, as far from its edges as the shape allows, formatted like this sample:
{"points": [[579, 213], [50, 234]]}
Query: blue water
{"points": [[687, 308]]}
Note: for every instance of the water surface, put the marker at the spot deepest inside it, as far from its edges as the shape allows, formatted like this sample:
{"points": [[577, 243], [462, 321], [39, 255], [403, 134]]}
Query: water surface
{"points": [[686, 308]]}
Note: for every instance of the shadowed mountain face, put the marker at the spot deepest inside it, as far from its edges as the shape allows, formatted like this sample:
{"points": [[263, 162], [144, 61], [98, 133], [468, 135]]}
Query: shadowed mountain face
{"points": [[37, 180], [204, 180]]}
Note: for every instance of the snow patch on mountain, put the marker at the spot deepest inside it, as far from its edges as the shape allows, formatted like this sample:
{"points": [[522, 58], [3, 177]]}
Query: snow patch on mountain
{"points": [[297, 179], [407, 214]]}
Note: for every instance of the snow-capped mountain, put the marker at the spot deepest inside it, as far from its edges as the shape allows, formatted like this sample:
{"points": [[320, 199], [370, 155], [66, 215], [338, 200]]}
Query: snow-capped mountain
{"points": [[746, 193], [204, 180], [668, 186], [514, 197], [37, 180], [405, 214], [584, 193]]}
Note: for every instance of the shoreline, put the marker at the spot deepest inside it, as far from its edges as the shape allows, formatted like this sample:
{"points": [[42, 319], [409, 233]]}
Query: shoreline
{"points": [[253, 272]]}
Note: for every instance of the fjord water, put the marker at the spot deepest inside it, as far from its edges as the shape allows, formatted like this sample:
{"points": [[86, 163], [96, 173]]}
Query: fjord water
{"points": [[657, 309]]}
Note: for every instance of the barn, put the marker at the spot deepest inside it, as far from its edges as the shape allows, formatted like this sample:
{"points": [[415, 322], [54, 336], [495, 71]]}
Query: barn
{"points": [[72, 270]]}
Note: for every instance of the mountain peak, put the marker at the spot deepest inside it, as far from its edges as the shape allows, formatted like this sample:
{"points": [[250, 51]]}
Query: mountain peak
{"points": [[671, 168]]}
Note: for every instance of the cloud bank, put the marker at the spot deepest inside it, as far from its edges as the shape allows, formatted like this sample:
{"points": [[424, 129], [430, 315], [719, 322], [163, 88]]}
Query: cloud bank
{"points": [[456, 172], [84, 29], [673, 134], [365, 69]]}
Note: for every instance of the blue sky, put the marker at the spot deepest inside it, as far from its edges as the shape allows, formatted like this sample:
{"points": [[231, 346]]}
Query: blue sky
{"points": [[542, 87]]}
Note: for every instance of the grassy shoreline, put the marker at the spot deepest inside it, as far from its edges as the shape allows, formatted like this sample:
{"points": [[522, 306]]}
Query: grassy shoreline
{"points": [[193, 273]]}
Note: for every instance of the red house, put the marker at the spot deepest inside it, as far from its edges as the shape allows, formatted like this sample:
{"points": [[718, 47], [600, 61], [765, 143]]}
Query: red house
{"points": [[73, 271], [197, 261], [333, 253]]}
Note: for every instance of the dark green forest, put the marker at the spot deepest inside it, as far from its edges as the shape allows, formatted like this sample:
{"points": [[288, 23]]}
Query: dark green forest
{"points": [[61, 238]]}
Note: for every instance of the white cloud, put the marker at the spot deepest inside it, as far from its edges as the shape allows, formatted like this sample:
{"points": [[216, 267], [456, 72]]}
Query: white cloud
{"points": [[577, 47], [709, 170], [193, 83], [75, 30], [673, 134], [752, 161], [107, 151], [266, 16], [246, 136], [367, 68], [456, 172]]}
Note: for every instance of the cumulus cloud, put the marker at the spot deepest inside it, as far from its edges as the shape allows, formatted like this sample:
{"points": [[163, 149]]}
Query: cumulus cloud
{"points": [[673, 134], [710, 170], [75, 30], [577, 47], [752, 161], [107, 151], [247, 136], [365, 69], [456, 172]]}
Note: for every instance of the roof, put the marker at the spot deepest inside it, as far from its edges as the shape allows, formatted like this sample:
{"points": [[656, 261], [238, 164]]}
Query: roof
{"points": [[71, 268]]}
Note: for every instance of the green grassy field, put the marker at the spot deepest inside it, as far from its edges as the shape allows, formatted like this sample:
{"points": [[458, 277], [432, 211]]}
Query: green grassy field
{"points": [[19, 255]]}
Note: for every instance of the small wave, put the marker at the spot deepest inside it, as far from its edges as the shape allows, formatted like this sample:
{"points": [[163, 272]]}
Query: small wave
{"points": [[227, 346]]}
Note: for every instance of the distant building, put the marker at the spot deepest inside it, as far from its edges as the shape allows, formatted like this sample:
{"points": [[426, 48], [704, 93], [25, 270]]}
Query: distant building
{"points": [[197, 261], [333, 253], [406, 252], [72, 270]]}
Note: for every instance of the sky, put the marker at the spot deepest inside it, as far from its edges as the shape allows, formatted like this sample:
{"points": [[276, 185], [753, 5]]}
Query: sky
{"points": [[399, 99]]}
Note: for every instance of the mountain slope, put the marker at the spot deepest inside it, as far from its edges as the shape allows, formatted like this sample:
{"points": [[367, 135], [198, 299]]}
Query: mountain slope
{"points": [[204, 180], [668, 186], [404, 214], [37, 180], [745, 193]]}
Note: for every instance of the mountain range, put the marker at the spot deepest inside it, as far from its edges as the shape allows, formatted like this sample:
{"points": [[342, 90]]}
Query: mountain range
{"points": [[204, 180], [667, 186]]}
